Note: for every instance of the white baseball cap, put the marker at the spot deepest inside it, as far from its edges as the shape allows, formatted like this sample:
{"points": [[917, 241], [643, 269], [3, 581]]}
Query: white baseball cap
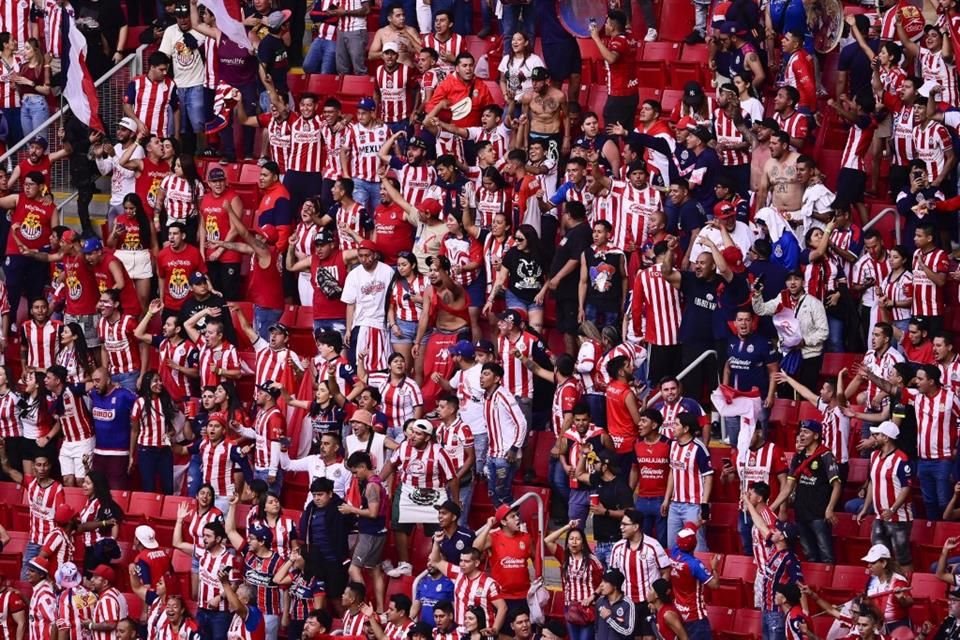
{"points": [[128, 123], [877, 552], [146, 536], [391, 46], [887, 428]]}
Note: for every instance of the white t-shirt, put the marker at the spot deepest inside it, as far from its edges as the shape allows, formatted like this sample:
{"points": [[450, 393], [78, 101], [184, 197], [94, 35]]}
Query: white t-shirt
{"points": [[368, 291], [517, 72], [122, 181], [188, 67], [467, 385], [378, 449]]}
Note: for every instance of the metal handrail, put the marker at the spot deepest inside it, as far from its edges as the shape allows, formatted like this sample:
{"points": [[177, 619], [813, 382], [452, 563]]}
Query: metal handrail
{"points": [[690, 367], [896, 224]]}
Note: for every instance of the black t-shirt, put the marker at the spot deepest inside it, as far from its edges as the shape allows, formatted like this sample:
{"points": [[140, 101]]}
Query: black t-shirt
{"points": [[526, 274], [814, 486], [575, 241], [192, 306], [272, 54], [604, 279], [614, 495]]}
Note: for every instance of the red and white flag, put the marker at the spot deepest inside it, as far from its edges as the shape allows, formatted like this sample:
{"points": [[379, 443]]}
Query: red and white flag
{"points": [[79, 90], [226, 12]]}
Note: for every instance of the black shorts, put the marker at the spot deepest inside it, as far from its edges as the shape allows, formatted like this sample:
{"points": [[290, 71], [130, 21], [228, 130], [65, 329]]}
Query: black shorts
{"points": [[332, 575], [567, 310], [850, 186], [622, 109], [562, 58]]}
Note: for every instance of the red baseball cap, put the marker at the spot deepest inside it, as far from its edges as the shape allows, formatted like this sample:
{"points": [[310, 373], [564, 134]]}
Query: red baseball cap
{"points": [[431, 206], [369, 245], [503, 511], [724, 210], [686, 121], [734, 258], [105, 572], [269, 233], [63, 514]]}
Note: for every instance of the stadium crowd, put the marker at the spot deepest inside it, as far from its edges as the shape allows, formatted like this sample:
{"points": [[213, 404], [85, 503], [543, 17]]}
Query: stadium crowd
{"points": [[331, 337]]}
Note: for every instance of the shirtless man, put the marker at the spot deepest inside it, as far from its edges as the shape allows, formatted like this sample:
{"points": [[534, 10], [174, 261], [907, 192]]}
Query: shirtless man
{"points": [[396, 30], [445, 309], [544, 112], [780, 180]]}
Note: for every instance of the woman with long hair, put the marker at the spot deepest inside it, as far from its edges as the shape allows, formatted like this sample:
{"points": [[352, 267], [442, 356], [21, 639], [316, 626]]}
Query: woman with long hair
{"points": [[306, 594], [227, 401], [203, 512], [896, 297], [888, 588], [179, 197], [580, 572], [588, 371], [9, 96], [268, 512], [74, 355], [668, 619], [153, 434], [301, 244], [33, 84], [516, 69], [402, 397], [10, 429], [404, 303], [495, 236], [325, 411], [134, 240], [35, 419], [749, 98], [491, 199], [521, 277], [466, 266], [99, 522], [474, 622]]}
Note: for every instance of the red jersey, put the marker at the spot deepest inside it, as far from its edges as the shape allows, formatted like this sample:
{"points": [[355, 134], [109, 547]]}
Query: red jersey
{"points": [[620, 425], [26, 166], [43, 502], [111, 608], [365, 144], [306, 144], [265, 286], [151, 101], [41, 342], [121, 345], [936, 424], [31, 223], [394, 88], [761, 465], [465, 100], [655, 307], [174, 269], [215, 222], [75, 421], [394, 234], [517, 378], [83, 292], [565, 398], [129, 302], [653, 464], [688, 575], [415, 181], [328, 276], [621, 74], [184, 354], [270, 428], [223, 356], [148, 183], [42, 614], [480, 590], [640, 565], [149, 414], [798, 72], [889, 475], [509, 558], [153, 564]]}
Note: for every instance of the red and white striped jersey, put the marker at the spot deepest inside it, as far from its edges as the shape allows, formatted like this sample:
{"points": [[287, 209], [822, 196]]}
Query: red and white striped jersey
{"points": [[450, 144], [859, 137], [454, 45], [891, 79], [223, 356], [427, 468], [353, 623], [481, 591], [216, 466], [9, 96], [656, 307], [506, 424], [415, 181], [121, 345], [365, 143], [271, 363], [575, 444], [565, 398], [15, 20], [9, 418], [41, 342], [899, 290], [933, 68], [341, 367], [901, 133], [74, 417], [303, 237], [950, 374], [401, 298], [53, 28], [456, 438], [761, 465], [582, 576], [587, 366], [175, 381], [867, 268], [306, 144], [151, 101], [517, 378], [726, 131], [350, 218], [927, 296], [836, 431], [890, 474], [797, 124], [689, 464], [279, 140], [462, 251], [74, 609], [397, 631], [42, 611], [198, 521], [936, 424], [640, 565], [429, 81], [399, 399], [153, 428], [498, 137], [930, 143], [323, 29], [489, 202], [627, 209], [270, 427], [210, 65], [284, 532], [59, 546], [111, 608], [880, 365], [179, 200], [352, 22], [395, 103], [209, 577], [333, 140], [635, 353], [761, 552], [43, 502], [493, 251]]}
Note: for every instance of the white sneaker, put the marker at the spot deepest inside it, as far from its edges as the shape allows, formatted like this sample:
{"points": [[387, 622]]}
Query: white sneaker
{"points": [[386, 565], [402, 569], [651, 35]]}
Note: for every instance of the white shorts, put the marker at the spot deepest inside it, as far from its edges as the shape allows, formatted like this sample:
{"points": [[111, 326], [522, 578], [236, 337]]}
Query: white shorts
{"points": [[138, 264], [71, 457], [305, 288]]}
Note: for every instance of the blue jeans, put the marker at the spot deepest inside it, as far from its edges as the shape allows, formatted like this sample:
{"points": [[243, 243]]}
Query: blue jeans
{"points": [[653, 523], [481, 444], [466, 498], [559, 482], [936, 487], [127, 381], [263, 319], [156, 469], [745, 527], [213, 624], [192, 109], [322, 56], [854, 505], [272, 622], [31, 551], [598, 408], [599, 317], [575, 631], [14, 128], [367, 194], [698, 630], [263, 474], [774, 625], [578, 505], [515, 18], [816, 538], [680, 513], [34, 111], [500, 480], [602, 551], [835, 338], [194, 476]]}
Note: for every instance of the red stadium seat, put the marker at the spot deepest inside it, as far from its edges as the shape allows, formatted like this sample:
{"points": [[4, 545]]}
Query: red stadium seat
{"points": [[698, 53], [17, 544], [598, 97], [817, 574], [671, 98], [834, 362], [721, 618], [75, 497], [296, 82], [652, 73], [808, 411], [249, 174], [357, 86], [182, 563], [660, 51], [10, 493], [650, 93], [10, 564], [172, 503], [706, 557], [829, 161], [147, 505], [927, 587], [680, 73], [847, 581], [541, 457], [679, 22], [134, 606], [749, 626], [738, 568], [495, 91], [325, 85]]}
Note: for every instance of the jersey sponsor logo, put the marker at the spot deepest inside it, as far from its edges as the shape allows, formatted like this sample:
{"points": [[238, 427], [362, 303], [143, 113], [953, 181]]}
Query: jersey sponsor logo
{"points": [[178, 286], [31, 227]]}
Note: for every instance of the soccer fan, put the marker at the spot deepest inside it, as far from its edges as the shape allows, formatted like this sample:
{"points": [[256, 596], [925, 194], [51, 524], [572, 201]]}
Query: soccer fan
{"points": [[404, 38], [275, 361], [399, 624], [72, 420], [395, 89], [672, 403], [42, 608], [125, 356], [656, 314], [471, 586], [75, 603], [39, 337], [122, 181], [110, 410], [218, 360], [179, 357], [188, 68], [365, 294], [507, 429], [151, 98], [688, 577], [457, 85], [248, 619], [213, 557], [618, 53], [325, 464], [111, 606], [149, 170], [176, 263], [511, 549], [689, 485], [32, 220], [57, 546]]}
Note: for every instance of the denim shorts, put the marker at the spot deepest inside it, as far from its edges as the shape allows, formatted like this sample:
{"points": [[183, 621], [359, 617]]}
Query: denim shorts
{"points": [[408, 332], [515, 302], [477, 293]]}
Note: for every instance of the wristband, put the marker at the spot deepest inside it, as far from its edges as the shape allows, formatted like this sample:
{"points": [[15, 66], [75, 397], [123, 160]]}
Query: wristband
{"points": [[704, 511]]}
